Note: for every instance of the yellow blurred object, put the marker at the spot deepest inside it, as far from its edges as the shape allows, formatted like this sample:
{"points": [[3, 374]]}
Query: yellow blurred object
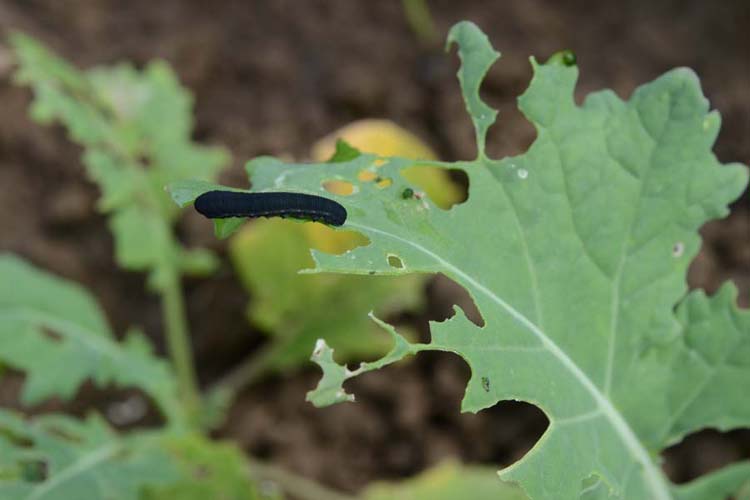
{"points": [[329, 240], [385, 138], [341, 188], [367, 176], [381, 137]]}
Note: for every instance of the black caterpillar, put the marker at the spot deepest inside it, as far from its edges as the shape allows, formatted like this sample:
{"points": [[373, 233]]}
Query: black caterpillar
{"points": [[221, 204]]}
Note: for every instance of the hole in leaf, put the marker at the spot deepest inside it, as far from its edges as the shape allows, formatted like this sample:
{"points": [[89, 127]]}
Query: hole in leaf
{"points": [[202, 471], [383, 183], [127, 411], [444, 293], [517, 132], [486, 384], [353, 367], [16, 439], [705, 451], [33, 471], [366, 176], [678, 249], [500, 434], [460, 179], [329, 240], [395, 262], [52, 335], [337, 187], [514, 428], [63, 433], [102, 398], [445, 188]]}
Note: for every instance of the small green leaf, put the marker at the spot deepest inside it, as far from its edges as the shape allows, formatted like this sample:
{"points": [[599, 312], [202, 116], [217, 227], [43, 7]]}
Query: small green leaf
{"points": [[224, 228], [344, 152]]}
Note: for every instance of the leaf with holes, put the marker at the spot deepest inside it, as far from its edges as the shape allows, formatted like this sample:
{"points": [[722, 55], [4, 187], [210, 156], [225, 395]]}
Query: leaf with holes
{"points": [[294, 309], [575, 253], [385, 138]]}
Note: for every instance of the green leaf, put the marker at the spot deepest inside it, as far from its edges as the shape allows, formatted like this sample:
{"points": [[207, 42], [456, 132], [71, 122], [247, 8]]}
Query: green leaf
{"points": [[184, 192], [136, 129], [343, 152], [208, 470], [447, 481], [297, 309], [55, 332], [716, 359], [575, 253], [330, 389], [58, 458], [477, 56]]}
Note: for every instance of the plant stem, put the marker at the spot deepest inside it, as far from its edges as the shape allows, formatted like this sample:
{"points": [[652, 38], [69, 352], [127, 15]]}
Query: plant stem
{"points": [[178, 344], [420, 20], [249, 371], [293, 484]]}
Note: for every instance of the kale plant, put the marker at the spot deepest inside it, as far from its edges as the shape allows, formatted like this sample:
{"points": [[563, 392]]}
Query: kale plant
{"points": [[135, 127], [575, 253]]}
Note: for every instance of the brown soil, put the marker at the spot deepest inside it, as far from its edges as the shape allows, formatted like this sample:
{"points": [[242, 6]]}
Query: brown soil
{"points": [[270, 78]]}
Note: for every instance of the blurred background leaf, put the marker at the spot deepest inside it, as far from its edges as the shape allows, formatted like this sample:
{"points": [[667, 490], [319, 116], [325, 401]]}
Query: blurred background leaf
{"points": [[210, 470], [447, 481], [56, 334], [135, 127], [56, 457]]}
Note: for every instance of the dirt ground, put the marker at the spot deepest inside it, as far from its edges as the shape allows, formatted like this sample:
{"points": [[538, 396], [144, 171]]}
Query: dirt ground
{"points": [[271, 78]]}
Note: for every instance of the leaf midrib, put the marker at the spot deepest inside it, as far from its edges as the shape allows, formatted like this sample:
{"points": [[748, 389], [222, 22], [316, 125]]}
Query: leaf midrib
{"points": [[80, 466], [652, 474], [95, 340]]}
